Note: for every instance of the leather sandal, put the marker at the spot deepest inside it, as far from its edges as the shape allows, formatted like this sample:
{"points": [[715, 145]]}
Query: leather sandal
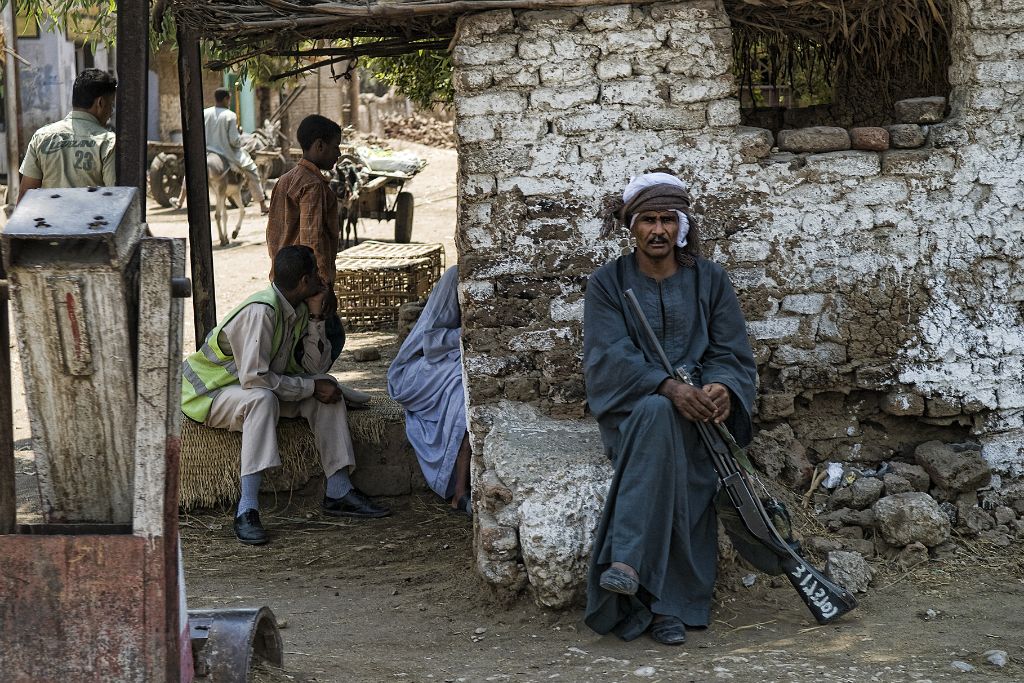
{"points": [[669, 631], [618, 581]]}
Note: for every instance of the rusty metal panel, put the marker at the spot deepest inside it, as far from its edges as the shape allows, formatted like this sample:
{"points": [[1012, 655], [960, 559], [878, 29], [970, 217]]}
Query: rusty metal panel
{"points": [[82, 608]]}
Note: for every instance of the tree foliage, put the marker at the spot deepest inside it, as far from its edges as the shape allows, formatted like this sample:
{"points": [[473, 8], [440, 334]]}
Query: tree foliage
{"points": [[424, 76]]}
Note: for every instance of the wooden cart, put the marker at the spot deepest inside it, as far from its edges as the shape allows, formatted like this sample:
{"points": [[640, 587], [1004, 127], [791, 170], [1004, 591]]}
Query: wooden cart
{"points": [[167, 169], [367, 193]]}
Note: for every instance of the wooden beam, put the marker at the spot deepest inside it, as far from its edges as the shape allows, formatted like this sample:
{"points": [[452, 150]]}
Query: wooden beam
{"points": [[133, 95], [347, 54], [190, 84]]}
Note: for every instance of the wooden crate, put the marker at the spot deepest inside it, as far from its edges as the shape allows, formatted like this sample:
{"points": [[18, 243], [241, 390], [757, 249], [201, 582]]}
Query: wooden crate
{"points": [[375, 278]]}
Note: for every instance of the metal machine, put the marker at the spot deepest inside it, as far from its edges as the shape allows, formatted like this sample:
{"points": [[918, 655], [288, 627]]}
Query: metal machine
{"points": [[96, 591]]}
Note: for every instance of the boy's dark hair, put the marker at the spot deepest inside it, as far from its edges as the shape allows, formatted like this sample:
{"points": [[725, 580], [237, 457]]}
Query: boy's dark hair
{"points": [[315, 127], [89, 85], [290, 264], [221, 94]]}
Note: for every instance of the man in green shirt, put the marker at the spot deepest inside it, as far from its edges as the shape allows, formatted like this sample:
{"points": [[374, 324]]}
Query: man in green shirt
{"points": [[77, 151]]}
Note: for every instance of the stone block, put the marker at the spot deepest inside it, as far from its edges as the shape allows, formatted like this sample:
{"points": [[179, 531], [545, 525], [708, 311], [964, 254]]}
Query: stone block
{"points": [[921, 162], [803, 303], [906, 136], [921, 110], [615, 18], [871, 139], [562, 20], [499, 542], [943, 135], [535, 49], [613, 68], [474, 128], [953, 468], [903, 403], [566, 73], [754, 143], [639, 92], [775, 406], [686, 91], [974, 520], [469, 80], [849, 570], [832, 166], [558, 475], [631, 42], [488, 104], [483, 55], [815, 139], [942, 406], [1001, 73], [596, 119], [773, 328], [906, 518], [487, 23], [912, 555], [724, 113], [894, 483], [562, 98], [1005, 515], [779, 454], [663, 118]]}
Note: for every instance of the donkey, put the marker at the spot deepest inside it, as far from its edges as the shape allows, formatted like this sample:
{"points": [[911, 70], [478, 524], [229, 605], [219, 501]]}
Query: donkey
{"points": [[226, 183]]}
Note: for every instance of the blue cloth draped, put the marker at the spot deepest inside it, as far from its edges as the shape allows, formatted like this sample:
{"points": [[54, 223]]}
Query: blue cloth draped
{"points": [[426, 378]]}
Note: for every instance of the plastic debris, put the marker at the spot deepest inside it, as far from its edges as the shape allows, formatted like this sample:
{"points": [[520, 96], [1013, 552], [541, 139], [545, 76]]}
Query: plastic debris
{"points": [[644, 672], [835, 475], [962, 666], [749, 580], [996, 657]]}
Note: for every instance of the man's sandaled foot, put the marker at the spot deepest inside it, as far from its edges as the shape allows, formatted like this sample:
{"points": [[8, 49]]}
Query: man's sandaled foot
{"points": [[618, 581], [669, 631]]}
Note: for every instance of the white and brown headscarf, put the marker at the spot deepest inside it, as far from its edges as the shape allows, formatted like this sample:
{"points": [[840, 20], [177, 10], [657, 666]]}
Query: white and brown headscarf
{"points": [[658, 192]]}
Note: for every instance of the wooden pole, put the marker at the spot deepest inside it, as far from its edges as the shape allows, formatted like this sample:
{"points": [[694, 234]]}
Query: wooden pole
{"points": [[353, 97], [133, 95], [190, 84], [12, 105]]}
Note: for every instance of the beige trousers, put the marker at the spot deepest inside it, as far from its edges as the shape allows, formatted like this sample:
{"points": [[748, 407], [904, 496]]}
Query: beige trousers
{"points": [[254, 413]]}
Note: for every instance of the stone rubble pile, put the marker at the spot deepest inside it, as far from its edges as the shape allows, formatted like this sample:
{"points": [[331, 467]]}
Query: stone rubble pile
{"points": [[420, 129]]}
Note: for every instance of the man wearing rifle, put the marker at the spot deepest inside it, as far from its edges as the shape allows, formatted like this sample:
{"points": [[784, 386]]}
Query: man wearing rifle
{"points": [[655, 553]]}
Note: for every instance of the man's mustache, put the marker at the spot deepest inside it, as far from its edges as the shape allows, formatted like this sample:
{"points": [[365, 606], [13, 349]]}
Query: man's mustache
{"points": [[657, 240]]}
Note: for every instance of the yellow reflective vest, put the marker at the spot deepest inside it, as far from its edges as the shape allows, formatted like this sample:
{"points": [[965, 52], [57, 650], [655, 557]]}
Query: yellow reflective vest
{"points": [[208, 370]]}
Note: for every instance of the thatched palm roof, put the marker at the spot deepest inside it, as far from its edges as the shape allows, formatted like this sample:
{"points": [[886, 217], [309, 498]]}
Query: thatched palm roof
{"points": [[849, 35]]}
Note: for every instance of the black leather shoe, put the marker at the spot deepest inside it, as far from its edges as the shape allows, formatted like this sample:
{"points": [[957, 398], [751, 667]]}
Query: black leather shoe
{"points": [[354, 504], [248, 529], [669, 631], [617, 581]]}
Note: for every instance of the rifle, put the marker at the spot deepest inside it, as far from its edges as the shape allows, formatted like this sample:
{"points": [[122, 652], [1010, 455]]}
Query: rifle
{"points": [[825, 599]]}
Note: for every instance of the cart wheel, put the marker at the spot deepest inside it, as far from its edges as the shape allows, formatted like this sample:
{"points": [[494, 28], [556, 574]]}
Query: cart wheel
{"points": [[403, 218], [165, 178]]}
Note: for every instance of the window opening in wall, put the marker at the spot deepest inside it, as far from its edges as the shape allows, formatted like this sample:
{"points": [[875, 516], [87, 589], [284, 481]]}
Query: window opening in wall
{"points": [[837, 62]]}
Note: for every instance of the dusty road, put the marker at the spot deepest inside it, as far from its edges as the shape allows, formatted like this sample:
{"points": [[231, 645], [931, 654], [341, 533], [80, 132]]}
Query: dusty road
{"points": [[398, 600]]}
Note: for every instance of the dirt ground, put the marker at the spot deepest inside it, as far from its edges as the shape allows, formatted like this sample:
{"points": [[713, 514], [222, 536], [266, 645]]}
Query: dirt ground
{"points": [[397, 599]]}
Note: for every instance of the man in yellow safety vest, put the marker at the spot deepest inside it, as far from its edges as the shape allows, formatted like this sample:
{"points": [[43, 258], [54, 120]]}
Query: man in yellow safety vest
{"points": [[267, 360]]}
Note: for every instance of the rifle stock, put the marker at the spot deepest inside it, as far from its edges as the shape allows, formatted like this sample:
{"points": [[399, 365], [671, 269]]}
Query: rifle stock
{"points": [[825, 599]]}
